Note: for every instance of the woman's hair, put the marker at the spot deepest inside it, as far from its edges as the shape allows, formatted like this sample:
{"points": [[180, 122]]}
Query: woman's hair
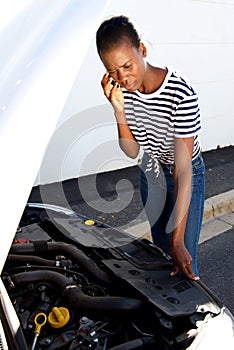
{"points": [[115, 30]]}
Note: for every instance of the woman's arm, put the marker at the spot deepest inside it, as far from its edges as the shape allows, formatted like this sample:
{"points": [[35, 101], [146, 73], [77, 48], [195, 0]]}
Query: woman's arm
{"points": [[183, 182], [114, 94]]}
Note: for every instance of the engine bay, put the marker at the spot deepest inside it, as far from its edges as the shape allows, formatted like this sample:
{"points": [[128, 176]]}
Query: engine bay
{"points": [[79, 284]]}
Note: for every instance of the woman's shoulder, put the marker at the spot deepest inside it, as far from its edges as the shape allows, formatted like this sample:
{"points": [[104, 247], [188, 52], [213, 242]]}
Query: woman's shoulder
{"points": [[180, 80]]}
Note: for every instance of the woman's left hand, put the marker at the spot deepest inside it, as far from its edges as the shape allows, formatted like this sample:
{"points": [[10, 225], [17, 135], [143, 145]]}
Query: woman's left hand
{"points": [[182, 261]]}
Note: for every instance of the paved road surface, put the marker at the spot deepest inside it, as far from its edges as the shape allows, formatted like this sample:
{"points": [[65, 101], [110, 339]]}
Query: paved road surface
{"points": [[215, 258]]}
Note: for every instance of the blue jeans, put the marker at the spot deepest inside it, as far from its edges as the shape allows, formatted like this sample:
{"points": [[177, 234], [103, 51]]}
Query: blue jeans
{"points": [[157, 195]]}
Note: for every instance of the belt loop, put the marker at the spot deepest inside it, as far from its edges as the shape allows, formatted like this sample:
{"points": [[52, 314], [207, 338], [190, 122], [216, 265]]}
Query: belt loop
{"points": [[171, 169]]}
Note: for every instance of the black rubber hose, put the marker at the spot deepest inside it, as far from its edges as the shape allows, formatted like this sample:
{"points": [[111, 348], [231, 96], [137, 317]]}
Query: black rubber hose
{"points": [[69, 250], [78, 300], [30, 259], [139, 343]]}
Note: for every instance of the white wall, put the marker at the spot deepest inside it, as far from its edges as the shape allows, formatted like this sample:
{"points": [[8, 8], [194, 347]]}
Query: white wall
{"points": [[195, 36]]}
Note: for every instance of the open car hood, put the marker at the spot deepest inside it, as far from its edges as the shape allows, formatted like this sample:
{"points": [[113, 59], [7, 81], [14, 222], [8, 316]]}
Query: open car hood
{"points": [[42, 48]]}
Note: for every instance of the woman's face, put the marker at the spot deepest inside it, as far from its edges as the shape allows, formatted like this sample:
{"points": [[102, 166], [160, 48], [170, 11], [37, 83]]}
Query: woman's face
{"points": [[126, 65]]}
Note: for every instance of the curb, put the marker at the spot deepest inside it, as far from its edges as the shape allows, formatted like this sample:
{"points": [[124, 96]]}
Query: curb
{"points": [[214, 208], [218, 205]]}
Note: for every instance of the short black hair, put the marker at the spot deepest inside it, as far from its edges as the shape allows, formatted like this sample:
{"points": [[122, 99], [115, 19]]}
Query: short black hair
{"points": [[113, 31]]}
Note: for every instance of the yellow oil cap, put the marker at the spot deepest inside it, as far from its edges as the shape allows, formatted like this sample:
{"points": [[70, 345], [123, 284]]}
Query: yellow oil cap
{"points": [[58, 317], [90, 222]]}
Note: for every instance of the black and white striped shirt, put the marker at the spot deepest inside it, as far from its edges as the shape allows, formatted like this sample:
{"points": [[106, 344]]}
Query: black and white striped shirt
{"points": [[158, 118]]}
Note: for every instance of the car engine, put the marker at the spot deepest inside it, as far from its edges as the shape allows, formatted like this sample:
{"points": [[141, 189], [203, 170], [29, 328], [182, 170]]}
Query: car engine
{"points": [[80, 284]]}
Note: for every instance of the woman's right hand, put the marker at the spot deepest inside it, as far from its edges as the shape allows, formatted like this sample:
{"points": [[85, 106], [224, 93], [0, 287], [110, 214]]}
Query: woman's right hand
{"points": [[113, 93], [115, 96]]}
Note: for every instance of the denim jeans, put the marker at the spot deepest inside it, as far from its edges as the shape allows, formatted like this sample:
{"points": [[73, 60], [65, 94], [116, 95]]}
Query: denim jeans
{"points": [[157, 195]]}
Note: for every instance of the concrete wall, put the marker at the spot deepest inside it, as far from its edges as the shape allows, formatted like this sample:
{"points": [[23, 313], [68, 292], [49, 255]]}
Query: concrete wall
{"points": [[196, 37]]}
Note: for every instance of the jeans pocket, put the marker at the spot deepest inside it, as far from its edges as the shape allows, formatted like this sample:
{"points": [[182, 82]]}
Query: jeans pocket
{"points": [[198, 166], [198, 173]]}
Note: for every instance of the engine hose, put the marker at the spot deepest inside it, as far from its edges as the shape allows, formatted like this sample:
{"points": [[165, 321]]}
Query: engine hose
{"points": [[78, 300], [30, 259], [139, 343], [69, 250]]}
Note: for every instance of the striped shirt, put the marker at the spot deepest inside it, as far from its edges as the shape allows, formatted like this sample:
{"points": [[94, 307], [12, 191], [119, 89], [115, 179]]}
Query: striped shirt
{"points": [[158, 118]]}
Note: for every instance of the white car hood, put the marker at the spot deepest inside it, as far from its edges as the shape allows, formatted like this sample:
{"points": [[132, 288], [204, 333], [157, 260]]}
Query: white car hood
{"points": [[42, 48]]}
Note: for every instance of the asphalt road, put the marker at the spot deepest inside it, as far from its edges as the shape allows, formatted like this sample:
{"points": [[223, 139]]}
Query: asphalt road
{"points": [[215, 258]]}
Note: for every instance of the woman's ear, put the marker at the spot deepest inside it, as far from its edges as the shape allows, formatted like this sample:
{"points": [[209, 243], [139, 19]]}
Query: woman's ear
{"points": [[143, 49]]}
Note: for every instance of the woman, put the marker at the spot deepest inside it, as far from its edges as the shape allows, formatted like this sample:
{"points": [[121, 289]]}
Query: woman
{"points": [[157, 109]]}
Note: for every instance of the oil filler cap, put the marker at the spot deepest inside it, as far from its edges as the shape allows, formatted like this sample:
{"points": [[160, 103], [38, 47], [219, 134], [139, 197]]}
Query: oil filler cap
{"points": [[58, 317]]}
